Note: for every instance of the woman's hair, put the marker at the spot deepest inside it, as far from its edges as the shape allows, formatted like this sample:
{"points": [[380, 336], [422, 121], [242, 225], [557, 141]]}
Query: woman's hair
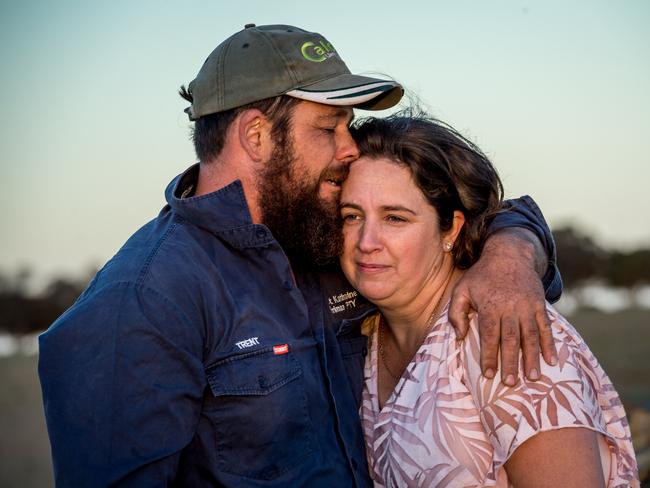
{"points": [[452, 173]]}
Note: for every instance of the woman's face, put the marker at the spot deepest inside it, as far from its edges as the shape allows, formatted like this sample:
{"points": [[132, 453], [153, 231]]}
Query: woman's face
{"points": [[392, 244]]}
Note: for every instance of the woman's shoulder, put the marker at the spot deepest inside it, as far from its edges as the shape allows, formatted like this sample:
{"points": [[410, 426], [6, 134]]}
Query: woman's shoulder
{"points": [[565, 335], [577, 368], [575, 392]]}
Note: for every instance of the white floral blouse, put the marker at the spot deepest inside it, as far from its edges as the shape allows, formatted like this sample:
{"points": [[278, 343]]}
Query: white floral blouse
{"points": [[447, 425]]}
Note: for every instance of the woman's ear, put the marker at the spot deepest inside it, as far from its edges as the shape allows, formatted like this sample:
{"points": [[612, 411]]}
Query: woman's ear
{"points": [[253, 133], [456, 225]]}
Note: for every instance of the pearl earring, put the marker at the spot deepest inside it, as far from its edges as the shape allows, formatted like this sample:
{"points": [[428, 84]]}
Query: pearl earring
{"points": [[447, 246]]}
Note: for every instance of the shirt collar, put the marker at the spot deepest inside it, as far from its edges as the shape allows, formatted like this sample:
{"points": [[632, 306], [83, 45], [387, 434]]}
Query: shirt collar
{"points": [[223, 212]]}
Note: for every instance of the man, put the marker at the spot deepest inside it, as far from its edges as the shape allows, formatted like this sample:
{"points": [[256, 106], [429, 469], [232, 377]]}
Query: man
{"points": [[212, 350]]}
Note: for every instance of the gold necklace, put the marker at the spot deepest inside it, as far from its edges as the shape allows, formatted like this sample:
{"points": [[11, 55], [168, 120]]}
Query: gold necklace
{"points": [[382, 352]]}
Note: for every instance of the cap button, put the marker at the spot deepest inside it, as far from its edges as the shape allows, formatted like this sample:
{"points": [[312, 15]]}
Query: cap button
{"points": [[248, 26]]}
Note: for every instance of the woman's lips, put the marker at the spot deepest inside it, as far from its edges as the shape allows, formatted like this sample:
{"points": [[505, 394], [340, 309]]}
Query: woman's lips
{"points": [[371, 268]]}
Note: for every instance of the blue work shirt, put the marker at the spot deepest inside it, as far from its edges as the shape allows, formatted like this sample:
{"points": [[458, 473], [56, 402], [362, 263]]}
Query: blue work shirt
{"points": [[198, 357]]}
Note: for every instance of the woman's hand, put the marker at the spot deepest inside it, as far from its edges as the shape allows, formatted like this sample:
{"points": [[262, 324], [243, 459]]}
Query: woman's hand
{"points": [[504, 288]]}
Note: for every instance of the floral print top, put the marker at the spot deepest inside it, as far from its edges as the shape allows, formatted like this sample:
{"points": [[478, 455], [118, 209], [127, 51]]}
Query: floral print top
{"points": [[447, 425]]}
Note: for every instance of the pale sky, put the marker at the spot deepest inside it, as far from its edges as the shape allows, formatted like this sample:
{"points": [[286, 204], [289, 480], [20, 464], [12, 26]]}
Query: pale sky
{"points": [[557, 93]]}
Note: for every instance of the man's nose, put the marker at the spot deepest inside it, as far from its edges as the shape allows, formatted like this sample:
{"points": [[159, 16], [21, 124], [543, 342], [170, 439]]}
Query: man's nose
{"points": [[347, 149]]}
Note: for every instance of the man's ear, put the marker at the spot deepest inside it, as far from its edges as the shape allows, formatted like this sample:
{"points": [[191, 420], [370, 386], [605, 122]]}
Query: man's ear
{"points": [[253, 132]]}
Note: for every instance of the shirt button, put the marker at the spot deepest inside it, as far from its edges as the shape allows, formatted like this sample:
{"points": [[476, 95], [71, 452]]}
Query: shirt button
{"points": [[261, 233], [288, 285]]}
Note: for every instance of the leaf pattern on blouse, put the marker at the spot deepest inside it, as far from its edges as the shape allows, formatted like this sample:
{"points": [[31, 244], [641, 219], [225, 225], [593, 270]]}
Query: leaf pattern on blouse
{"points": [[447, 425]]}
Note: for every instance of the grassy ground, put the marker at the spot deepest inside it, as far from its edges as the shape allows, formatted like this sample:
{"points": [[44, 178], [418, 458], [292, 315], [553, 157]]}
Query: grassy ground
{"points": [[621, 342], [24, 447]]}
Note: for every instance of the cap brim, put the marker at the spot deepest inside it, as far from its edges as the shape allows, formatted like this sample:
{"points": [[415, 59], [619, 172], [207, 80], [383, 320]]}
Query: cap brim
{"points": [[352, 90]]}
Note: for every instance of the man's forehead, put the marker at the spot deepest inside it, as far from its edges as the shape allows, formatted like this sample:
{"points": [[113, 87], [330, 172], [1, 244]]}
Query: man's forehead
{"points": [[332, 112]]}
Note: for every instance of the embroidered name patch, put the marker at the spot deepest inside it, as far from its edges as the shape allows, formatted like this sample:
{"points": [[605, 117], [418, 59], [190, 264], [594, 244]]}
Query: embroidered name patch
{"points": [[251, 341]]}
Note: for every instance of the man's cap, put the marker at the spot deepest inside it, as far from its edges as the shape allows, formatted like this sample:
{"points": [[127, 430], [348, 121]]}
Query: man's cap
{"points": [[270, 60]]}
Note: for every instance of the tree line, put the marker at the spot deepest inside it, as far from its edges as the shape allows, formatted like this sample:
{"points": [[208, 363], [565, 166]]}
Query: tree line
{"points": [[23, 311], [580, 259]]}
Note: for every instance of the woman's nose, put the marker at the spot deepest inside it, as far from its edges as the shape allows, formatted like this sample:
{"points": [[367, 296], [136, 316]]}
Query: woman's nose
{"points": [[369, 238]]}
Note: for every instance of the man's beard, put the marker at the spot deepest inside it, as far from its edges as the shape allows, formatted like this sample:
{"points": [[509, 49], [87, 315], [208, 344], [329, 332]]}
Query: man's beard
{"points": [[307, 228]]}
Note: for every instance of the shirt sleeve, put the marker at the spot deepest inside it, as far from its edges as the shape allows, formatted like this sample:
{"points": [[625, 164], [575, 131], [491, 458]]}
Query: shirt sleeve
{"points": [[122, 381], [523, 212], [574, 393]]}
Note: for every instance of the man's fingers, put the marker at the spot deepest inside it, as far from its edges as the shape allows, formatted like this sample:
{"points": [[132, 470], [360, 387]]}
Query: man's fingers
{"points": [[530, 347], [546, 337], [459, 309], [490, 333], [510, 344]]}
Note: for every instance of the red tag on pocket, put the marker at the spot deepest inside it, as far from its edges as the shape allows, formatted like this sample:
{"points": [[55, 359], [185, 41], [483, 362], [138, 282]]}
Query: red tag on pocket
{"points": [[281, 349]]}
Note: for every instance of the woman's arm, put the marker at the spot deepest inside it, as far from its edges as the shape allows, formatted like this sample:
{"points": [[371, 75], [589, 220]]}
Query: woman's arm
{"points": [[566, 457]]}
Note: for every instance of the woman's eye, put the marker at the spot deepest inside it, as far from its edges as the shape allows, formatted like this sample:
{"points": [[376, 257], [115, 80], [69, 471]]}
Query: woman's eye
{"points": [[395, 218], [350, 218]]}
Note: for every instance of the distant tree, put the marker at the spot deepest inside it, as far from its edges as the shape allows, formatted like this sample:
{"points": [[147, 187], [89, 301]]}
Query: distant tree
{"points": [[20, 281], [5, 283], [61, 293], [578, 257], [24, 313], [630, 270]]}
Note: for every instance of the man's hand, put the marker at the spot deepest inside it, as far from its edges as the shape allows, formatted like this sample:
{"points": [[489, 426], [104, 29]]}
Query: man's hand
{"points": [[504, 287]]}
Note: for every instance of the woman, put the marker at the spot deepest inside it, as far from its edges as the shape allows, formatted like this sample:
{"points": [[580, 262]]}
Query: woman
{"points": [[414, 209]]}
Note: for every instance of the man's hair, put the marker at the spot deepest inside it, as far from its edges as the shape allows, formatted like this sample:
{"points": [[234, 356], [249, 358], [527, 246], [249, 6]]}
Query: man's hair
{"points": [[452, 172], [209, 133]]}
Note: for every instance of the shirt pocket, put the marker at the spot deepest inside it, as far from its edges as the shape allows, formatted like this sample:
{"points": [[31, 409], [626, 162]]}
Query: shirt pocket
{"points": [[259, 412]]}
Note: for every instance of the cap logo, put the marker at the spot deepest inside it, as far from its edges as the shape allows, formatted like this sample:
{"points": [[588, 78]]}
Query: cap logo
{"points": [[317, 52]]}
